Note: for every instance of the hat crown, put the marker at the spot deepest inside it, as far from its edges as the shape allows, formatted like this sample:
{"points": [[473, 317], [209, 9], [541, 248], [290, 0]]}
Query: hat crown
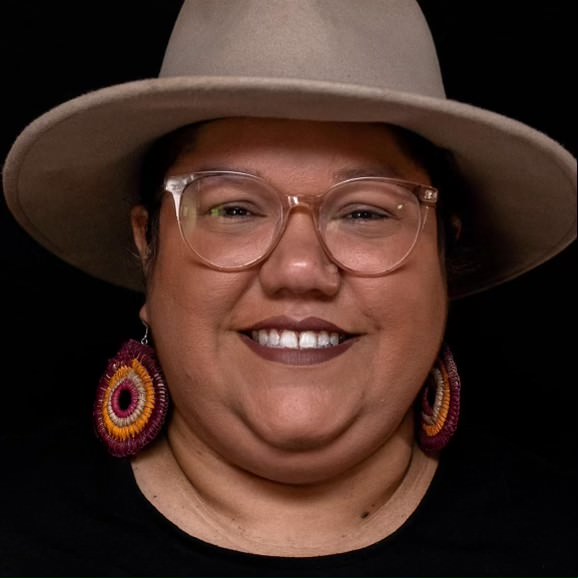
{"points": [[384, 44]]}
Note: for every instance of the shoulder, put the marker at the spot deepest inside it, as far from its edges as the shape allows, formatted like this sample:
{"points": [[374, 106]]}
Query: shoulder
{"points": [[48, 457], [504, 509], [56, 499], [510, 471]]}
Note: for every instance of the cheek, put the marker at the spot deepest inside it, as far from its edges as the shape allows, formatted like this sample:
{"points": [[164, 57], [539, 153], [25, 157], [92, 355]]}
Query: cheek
{"points": [[409, 324], [407, 310], [413, 298], [187, 305], [180, 286], [426, 288]]}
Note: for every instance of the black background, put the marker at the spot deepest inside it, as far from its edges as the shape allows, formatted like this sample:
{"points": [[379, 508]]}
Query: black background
{"points": [[514, 345]]}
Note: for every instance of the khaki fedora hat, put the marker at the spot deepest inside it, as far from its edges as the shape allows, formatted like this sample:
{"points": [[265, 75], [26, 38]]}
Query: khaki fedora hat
{"points": [[72, 175]]}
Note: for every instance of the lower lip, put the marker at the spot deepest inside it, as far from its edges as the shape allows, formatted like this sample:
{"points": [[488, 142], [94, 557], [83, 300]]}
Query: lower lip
{"points": [[298, 356]]}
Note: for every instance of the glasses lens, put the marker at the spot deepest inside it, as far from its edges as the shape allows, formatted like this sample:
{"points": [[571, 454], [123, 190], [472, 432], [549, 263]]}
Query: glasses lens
{"points": [[229, 220], [370, 225]]}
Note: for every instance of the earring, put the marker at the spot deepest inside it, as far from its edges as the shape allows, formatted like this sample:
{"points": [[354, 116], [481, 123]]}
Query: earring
{"points": [[440, 405], [132, 399]]}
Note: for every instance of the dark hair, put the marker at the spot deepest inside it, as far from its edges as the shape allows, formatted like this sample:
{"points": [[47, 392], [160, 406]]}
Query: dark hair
{"points": [[441, 167], [437, 162], [157, 161]]}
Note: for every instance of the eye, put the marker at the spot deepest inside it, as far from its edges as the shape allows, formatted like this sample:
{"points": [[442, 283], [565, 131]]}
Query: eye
{"points": [[365, 221], [365, 214], [358, 214], [231, 211]]}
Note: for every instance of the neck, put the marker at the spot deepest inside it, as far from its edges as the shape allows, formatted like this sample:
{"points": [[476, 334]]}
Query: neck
{"points": [[220, 503]]}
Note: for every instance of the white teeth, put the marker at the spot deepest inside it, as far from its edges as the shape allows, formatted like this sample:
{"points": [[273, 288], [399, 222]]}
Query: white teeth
{"points": [[307, 340], [323, 339], [270, 338], [289, 339], [295, 339]]}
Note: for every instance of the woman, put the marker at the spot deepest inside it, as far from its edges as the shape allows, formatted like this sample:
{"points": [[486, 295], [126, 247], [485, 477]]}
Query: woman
{"points": [[296, 276]]}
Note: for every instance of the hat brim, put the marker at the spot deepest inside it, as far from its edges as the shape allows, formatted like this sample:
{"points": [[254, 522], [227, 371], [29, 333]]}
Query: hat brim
{"points": [[72, 175]]}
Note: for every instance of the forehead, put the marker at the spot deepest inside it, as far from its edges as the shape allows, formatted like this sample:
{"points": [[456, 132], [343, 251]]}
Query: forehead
{"points": [[266, 146]]}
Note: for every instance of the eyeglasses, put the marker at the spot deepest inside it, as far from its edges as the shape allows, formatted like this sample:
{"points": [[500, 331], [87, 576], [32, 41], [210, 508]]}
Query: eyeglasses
{"points": [[366, 225]]}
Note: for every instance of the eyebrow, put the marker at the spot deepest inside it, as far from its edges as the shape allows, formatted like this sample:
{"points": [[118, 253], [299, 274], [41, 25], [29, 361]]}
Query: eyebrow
{"points": [[385, 171]]}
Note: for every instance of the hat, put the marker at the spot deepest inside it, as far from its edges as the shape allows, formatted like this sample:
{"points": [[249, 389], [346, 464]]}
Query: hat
{"points": [[72, 175]]}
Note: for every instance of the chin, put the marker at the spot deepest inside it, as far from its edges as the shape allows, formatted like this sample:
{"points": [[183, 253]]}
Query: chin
{"points": [[302, 468], [306, 456]]}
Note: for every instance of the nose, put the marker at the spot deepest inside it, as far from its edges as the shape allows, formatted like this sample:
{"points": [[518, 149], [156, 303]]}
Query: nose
{"points": [[299, 265]]}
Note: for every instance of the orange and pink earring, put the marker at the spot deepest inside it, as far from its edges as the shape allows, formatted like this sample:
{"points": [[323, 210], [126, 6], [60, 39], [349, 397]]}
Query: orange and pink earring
{"points": [[132, 400], [440, 405]]}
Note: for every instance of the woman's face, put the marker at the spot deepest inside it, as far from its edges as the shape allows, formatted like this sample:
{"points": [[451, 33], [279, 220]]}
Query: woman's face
{"points": [[286, 415]]}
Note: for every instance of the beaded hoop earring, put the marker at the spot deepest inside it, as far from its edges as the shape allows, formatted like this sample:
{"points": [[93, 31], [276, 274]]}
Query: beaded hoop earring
{"points": [[132, 400], [440, 404]]}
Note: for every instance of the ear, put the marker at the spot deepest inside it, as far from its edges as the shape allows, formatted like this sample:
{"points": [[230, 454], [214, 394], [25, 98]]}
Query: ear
{"points": [[457, 226], [144, 314], [139, 218]]}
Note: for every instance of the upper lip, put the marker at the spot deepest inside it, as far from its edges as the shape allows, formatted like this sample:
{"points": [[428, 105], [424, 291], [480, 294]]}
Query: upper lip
{"points": [[307, 324]]}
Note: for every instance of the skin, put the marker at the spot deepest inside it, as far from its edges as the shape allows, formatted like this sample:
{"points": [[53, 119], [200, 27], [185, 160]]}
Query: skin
{"points": [[274, 446]]}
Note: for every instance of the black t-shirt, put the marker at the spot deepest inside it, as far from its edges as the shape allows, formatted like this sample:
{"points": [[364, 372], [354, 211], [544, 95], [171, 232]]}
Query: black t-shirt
{"points": [[67, 509]]}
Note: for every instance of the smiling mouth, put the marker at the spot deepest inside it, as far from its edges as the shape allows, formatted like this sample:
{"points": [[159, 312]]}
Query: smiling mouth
{"points": [[298, 347], [288, 339]]}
